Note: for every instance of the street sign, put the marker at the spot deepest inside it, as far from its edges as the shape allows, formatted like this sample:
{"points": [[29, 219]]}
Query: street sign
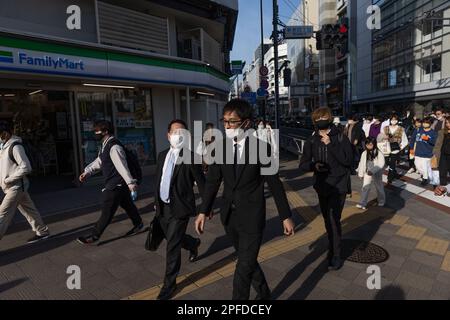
{"points": [[298, 32], [237, 66], [249, 96], [264, 84], [262, 92], [263, 71]]}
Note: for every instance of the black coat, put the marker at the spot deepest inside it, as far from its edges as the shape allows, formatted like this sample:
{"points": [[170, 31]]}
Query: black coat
{"points": [[182, 198], [245, 194], [338, 158]]}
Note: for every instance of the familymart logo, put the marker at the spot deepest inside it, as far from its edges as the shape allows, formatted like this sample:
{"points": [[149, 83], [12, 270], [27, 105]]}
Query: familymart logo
{"points": [[6, 56]]}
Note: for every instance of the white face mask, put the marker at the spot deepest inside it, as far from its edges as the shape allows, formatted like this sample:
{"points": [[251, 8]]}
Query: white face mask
{"points": [[234, 133], [394, 122], [261, 126], [176, 141]]}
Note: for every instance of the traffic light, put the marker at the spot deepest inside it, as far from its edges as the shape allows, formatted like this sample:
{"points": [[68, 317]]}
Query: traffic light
{"points": [[333, 36], [287, 75]]}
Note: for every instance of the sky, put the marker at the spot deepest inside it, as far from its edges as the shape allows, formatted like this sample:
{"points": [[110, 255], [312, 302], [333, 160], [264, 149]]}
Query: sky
{"points": [[248, 30]]}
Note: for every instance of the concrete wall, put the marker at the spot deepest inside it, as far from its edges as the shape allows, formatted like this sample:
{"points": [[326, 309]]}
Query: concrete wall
{"points": [[48, 17]]}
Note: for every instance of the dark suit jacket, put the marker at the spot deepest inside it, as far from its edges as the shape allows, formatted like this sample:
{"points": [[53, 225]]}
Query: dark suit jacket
{"points": [[182, 198], [244, 194]]}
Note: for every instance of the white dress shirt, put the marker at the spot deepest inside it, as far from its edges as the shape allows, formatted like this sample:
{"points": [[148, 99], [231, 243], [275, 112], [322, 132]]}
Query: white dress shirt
{"points": [[175, 153]]}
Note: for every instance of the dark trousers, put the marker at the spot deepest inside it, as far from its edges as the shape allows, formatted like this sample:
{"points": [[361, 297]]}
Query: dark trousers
{"points": [[175, 233], [392, 160], [331, 206], [111, 200], [444, 169], [248, 271]]}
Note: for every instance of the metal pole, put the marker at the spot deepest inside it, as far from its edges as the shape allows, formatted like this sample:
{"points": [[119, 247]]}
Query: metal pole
{"points": [[263, 110], [275, 53]]}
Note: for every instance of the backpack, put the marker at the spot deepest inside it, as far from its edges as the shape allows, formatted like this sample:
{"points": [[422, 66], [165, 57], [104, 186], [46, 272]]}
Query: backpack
{"points": [[133, 163], [27, 152]]}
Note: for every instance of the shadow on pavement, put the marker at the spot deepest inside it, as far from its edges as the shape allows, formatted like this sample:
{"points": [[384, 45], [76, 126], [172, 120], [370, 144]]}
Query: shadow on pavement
{"points": [[11, 284], [390, 292]]}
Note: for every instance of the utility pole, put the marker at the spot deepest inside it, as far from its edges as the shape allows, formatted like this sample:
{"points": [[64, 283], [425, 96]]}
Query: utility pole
{"points": [[275, 53], [263, 102]]}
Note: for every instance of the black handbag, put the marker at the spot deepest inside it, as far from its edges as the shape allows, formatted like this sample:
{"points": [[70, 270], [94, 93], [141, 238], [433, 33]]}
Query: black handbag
{"points": [[395, 146], [155, 235]]}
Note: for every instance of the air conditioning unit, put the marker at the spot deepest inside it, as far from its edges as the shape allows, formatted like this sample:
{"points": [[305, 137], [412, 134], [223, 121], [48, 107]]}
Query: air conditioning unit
{"points": [[192, 49]]}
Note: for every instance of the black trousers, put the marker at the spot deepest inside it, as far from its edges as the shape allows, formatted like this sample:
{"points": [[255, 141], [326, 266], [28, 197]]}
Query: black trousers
{"points": [[392, 160], [444, 169], [175, 233], [331, 206], [111, 200], [248, 271]]}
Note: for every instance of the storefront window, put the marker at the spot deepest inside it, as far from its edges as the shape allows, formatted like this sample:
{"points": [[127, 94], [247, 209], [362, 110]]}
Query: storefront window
{"points": [[43, 120], [91, 107], [133, 112]]}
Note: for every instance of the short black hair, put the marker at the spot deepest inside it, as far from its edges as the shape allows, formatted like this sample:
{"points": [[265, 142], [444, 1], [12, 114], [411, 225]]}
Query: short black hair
{"points": [[209, 124], [103, 126], [429, 120], [242, 108], [6, 125], [179, 121]]}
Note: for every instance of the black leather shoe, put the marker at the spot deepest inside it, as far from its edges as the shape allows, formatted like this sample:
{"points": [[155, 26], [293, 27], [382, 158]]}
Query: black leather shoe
{"points": [[135, 230], [166, 293], [194, 253], [335, 263], [91, 240]]}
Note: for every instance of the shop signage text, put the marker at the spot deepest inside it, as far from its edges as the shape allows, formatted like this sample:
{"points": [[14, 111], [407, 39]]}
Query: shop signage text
{"points": [[47, 61]]}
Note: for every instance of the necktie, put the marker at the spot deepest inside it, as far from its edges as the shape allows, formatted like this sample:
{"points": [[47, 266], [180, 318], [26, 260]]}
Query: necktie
{"points": [[167, 177], [236, 157]]}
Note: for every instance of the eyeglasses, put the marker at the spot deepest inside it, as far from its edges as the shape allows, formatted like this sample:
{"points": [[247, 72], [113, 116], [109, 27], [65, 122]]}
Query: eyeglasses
{"points": [[231, 123]]}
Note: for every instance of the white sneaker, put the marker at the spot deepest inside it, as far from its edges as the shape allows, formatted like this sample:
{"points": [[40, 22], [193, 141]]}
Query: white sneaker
{"points": [[361, 207], [381, 204], [412, 170]]}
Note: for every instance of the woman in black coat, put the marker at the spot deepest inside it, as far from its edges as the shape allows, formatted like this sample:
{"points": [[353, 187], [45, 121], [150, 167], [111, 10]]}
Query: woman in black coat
{"points": [[328, 153]]}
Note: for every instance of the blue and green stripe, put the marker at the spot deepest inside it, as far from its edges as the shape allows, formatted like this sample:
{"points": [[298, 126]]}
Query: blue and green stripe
{"points": [[6, 56]]}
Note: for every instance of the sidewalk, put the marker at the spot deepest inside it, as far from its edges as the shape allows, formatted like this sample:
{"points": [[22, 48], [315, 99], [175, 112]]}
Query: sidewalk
{"points": [[415, 235]]}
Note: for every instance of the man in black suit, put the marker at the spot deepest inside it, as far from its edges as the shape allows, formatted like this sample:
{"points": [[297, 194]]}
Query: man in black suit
{"points": [[243, 212], [175, 201]]}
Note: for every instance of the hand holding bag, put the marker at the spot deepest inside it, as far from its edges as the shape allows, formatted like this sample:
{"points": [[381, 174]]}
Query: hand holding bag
{"points": [[155, 235], [385, 147]]}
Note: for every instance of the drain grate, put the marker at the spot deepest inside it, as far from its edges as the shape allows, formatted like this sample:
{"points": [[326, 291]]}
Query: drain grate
{"points": [[363, 252]]}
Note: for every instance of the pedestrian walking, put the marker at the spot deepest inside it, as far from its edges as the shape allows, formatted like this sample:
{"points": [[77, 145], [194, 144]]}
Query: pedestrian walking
{"points": [[412, 143], [243, 210], [375, 128], [395, 135], [370, 170], [119, 185], [423, 143], [175, 202], [443, 158], [14, 169], [329, 155]]}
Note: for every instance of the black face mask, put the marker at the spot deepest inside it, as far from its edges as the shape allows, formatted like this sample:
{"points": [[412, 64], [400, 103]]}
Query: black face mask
{"points": [[323, 124], [99, 136]]}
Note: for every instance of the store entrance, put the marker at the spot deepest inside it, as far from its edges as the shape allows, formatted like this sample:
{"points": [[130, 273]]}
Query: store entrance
{"points": [[43, 119]]}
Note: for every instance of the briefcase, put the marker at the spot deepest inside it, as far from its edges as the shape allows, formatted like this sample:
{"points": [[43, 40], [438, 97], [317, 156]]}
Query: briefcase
{"points": [[155, 235]]}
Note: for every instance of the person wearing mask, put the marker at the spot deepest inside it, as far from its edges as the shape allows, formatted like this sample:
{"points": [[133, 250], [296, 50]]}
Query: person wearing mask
{"points": [[329, 155], [243, 211], [375, 128], [118, 183], [368, 121], [424, 140], [14, 168], [370, 169], [262, 132], [412, 145], [175, 202], [386, 122], [396, 136], [438, 123], [442, 152]]}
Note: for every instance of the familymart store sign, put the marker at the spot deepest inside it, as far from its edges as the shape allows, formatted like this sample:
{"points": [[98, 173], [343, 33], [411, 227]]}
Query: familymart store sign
{"points": [[67, 61], [42, 62]]}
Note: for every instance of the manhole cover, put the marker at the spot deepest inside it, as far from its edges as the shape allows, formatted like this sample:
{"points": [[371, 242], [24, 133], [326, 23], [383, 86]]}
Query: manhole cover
{"points": [[363, 252]]}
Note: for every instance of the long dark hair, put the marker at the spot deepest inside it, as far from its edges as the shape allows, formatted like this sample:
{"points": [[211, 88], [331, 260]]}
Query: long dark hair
{"points": [[371, 155]]}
